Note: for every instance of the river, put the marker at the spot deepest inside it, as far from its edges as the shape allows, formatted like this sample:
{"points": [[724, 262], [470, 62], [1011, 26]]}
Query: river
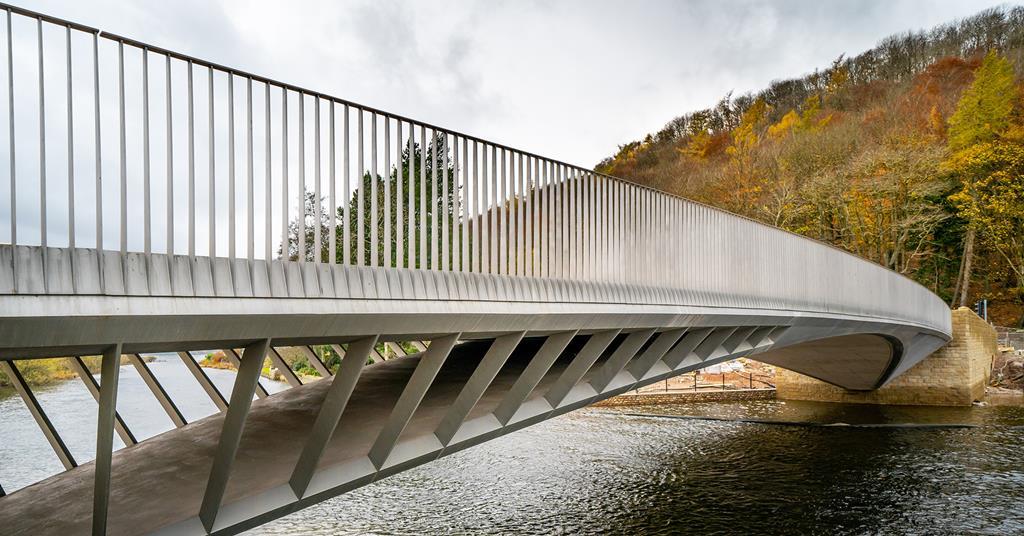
{"points": [[635, 470]]}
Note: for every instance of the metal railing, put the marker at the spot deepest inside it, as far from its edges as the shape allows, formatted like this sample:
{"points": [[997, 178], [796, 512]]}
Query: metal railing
{"points": [[1010, 337], [116, 144]]}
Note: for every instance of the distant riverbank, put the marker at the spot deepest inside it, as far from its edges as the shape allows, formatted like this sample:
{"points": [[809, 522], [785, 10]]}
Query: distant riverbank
{"points": [[50, 371]]}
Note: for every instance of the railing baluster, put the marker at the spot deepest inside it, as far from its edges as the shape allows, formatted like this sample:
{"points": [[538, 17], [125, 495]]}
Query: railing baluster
{"points": [[388, 261], [432, 201], [411, 254], [285, 248], [475, 213], [399, 198], [334, 181], [561, 220], [485, 214], [493, 210], [530, 249], [268, 214], [464, 203], [42, 137], [422, 220], [457, 201], [123, 155], [11, 145], [519, 195], [146, 209], [360, 194], [231, 166], [212, 143], [317, 204], [71, 148], [250, 176], [502, 209], [374, 238], [191, 163], [301, 238], [347, 194], [445, 204]]}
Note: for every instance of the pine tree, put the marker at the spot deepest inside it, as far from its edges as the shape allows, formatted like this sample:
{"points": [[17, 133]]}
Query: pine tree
{"points": [[983, 111]]}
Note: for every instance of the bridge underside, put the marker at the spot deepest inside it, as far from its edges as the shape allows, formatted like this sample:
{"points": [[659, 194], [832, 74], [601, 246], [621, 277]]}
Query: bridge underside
{"points": [[410, 410]]}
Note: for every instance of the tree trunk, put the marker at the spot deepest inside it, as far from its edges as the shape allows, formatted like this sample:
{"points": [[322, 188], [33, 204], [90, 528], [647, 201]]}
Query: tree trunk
{"points": [[968, 257], [959, 281]]}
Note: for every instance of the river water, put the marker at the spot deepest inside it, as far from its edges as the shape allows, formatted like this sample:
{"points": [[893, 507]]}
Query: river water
{"points": [[636, 470]]}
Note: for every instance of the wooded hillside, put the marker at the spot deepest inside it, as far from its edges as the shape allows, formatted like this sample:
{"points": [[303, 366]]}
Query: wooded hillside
{"points": [[910, 154]]}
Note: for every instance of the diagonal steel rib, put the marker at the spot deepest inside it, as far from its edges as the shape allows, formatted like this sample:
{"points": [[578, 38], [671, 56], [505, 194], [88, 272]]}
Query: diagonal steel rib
{"points": [[316, 362], [204, 381], [79, 367], [282, 366], [232, 356], [482, 377], [110, 370], [52, 437], [412, 395], [546, 356], [618, 360], [592, 350], [231, 435], [158, 390], [330, 412]]}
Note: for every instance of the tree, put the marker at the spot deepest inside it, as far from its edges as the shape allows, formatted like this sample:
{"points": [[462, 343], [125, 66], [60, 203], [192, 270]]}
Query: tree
{"points": [[982, 114], [983, 111], [415, 164], [992, 198]]}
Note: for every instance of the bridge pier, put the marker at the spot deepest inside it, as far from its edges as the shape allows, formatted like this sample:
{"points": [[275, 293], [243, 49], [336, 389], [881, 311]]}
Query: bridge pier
{"points": [[955, 375]]}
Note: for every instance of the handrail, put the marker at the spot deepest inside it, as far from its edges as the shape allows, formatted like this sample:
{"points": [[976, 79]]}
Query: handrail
{"points": [[337, 182]]}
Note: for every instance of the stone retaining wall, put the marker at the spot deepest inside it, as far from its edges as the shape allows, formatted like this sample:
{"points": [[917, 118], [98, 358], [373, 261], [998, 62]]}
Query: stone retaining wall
{"points": [[955, 375], [682, 397]]}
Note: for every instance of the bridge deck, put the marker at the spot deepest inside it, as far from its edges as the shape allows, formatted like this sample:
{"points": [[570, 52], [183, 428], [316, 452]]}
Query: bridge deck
{"points": [[276, 430]]}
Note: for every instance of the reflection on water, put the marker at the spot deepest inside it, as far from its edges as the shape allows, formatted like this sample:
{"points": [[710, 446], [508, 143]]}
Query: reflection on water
{"points": [[599, 471]]}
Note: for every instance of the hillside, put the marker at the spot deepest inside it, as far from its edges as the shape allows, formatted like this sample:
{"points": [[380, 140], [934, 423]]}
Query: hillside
{"points": [[910, 154]]}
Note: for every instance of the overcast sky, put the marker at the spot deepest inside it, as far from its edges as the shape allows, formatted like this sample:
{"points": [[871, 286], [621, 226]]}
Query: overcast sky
{"points": [[571, 80]]}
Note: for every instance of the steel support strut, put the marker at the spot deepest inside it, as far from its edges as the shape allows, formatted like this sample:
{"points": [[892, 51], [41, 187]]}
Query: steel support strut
{"points": [[204, 381], [109, 371], [426, 370], [120, 427], [158, 390], [478, 382], [231, 435], [342, 385], [49, 431]]}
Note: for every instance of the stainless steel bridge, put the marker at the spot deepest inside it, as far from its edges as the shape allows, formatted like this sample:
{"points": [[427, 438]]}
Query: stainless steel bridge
{"points": [[163, 203]]}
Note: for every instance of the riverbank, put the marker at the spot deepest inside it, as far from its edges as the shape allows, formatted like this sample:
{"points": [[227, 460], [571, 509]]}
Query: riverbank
{"points": [[39, 372], [217, 360]]}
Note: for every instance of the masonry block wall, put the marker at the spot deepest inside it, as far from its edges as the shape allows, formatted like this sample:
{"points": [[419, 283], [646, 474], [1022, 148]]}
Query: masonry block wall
{"points": [[955, 375]]}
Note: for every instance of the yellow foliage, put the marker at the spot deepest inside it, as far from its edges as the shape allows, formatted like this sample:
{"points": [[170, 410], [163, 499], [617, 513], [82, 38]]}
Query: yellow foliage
{"points": [[787, 124]]}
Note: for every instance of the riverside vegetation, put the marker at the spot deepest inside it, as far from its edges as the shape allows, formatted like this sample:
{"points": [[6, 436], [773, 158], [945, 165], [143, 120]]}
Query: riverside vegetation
{"points": [[47, 371], [910, 154]]}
